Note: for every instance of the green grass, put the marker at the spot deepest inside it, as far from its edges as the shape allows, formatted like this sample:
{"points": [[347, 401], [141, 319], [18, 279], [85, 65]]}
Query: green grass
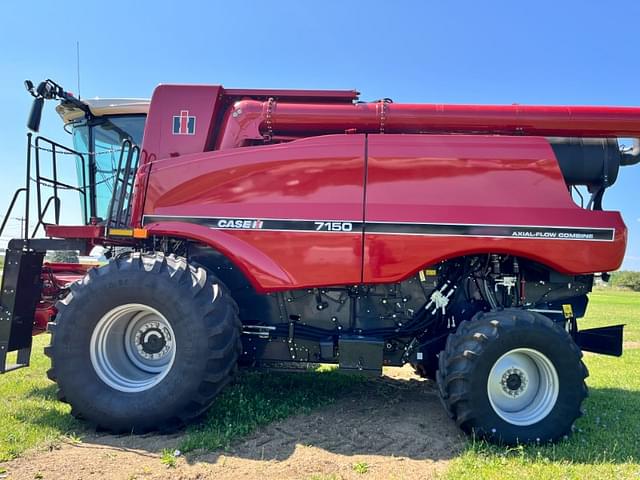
{"points": [[168, 458], [610, 307], [31, 415], [360, 467]]}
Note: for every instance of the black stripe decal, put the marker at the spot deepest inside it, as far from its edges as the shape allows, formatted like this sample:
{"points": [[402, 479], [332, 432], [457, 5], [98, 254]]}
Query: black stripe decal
{"points": [[268, 224], [400, 228], [501, 231]]}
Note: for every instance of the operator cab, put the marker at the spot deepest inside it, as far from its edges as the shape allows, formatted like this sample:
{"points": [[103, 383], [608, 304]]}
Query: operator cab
{"points": [[99, 133]]}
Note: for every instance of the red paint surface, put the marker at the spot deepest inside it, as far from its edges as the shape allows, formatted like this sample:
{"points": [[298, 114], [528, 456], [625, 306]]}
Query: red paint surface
{"points": [[306, 119], [230, 118], [168, 101], [75, 231], [55, 278], [411, 178], [317, 178], [475, 180], [45, 311]]}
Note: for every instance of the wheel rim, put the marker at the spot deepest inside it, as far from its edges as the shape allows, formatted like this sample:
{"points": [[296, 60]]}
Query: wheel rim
{"points": [[523, 386], [132, 347]]}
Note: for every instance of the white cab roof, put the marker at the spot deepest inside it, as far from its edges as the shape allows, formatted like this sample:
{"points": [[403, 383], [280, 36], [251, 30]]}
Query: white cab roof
{"points": [[105, 106]]}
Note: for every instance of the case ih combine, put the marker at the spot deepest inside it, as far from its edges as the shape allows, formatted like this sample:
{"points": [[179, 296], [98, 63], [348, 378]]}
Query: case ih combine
{"points": [[275, 227]]}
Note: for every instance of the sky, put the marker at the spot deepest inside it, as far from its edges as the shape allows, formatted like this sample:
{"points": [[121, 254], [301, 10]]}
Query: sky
{"points": [[542, 52]]}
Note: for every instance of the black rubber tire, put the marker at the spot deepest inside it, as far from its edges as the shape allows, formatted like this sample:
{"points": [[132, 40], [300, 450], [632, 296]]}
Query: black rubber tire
{"points": [[205, 322], [471, 352]]}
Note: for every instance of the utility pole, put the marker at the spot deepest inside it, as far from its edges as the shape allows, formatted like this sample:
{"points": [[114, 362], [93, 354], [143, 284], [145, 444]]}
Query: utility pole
{"points": [[22, 225]]}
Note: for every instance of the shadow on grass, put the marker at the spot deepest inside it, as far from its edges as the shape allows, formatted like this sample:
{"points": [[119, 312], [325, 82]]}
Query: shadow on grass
{"points": [[34, 419], [52, 420], [43, 409], [48, 392]]}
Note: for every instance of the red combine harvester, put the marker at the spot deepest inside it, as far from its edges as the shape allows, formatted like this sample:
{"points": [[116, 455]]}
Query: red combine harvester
{"points": [[280, 227]]}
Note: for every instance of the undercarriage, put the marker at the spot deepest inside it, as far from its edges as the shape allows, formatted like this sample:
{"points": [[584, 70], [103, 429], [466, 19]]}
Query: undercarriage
{"points": [[393, 324]]}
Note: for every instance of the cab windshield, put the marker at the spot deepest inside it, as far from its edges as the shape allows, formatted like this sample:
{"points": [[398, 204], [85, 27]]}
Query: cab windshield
{"points": [[100, 140]]}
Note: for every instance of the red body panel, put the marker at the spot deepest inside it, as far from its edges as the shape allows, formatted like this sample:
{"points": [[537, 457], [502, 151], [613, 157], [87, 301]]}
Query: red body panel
{"points": [[75, 231], [319, 178], [168, 101], [470, 180], [493, 180]]}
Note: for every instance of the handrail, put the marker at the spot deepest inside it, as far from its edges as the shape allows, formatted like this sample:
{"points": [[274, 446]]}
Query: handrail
{"points": [[57, 203], [126, 144], [11, 205], [27, 187], [119, 211], [41, 180], [55, 149], [127, 186], [127, 213], [123, 185]]}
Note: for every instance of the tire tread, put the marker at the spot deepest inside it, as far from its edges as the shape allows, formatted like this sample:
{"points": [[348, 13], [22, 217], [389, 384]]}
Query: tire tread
{"points": [[220, 315]]}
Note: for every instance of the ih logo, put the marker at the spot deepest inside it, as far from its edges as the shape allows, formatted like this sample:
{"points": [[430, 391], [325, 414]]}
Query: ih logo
{"points": [[184, 124]]}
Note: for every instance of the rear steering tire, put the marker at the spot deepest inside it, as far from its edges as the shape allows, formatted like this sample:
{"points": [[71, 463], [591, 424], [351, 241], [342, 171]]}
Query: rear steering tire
{"points": [[143, 343], [512, 376]]}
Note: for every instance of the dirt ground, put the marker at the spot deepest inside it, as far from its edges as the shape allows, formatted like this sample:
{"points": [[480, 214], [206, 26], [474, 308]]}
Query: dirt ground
{"points": [[403, 433]]}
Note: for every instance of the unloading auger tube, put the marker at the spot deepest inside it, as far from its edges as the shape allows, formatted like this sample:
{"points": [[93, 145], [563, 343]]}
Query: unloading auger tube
{"points": [[384, 116], [584, 139]]}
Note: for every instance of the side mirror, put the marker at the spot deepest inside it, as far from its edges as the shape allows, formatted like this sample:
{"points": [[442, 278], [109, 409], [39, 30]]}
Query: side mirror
{"points": [[36, 114], [28, 84]]}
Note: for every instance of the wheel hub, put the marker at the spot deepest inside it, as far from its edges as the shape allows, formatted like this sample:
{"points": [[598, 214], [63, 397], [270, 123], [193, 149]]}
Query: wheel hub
{"points": [[523, 386], [514, 381], [153, 341], [132, 348]]}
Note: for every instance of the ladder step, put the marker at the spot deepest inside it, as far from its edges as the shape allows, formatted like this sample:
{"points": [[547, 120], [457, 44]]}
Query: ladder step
{"points": [[22, 361]]}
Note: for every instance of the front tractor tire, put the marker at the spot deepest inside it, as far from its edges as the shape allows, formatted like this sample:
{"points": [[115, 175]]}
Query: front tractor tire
{"points": [[144, 343], [512, 376]]}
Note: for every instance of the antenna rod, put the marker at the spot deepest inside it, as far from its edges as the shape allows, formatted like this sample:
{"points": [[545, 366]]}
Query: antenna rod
{"points": [[78, 65]]}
